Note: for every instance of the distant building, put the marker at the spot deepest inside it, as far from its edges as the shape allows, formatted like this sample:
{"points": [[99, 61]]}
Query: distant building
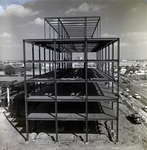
{"points": [[124, 60], [123, 71], [81, 65]]}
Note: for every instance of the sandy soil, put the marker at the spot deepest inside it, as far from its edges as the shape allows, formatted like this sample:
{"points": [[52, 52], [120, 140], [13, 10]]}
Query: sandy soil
{"points": [[131, 137]]}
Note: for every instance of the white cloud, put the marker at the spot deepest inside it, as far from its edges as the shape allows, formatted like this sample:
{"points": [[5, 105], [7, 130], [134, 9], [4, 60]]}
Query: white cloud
{"points": [[1, 9], [31, 3], [133, 9], [106, 35], [17, 10], [125, 45], [136, 40], [31, 35], [135, 35], [10, 45], [37, 21], [85, 7], [141, 44], [6, 35]]}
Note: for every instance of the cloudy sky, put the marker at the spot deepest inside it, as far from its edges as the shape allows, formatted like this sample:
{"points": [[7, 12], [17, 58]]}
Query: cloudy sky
{"points": [[22, 19]]}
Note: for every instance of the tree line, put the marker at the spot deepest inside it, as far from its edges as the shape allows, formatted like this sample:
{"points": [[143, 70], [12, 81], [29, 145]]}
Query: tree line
{"points": [[9, 70]]}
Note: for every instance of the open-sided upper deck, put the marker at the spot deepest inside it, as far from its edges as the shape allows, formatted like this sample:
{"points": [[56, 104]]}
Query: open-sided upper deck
{"points": [[72, 27]]}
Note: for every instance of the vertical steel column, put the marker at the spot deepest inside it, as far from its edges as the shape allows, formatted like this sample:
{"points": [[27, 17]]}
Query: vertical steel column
{"points": [[97, 58], [64, 54], [100, 28], [59, 57], [53, 34], [105, 60], [33, 60], [100, 68], [113, 77], [67, 58], [55, 83], [25, 92], [86, 84], [85, 31], [108, 63], [102, 59], [65, 34], [61, 32], [118, 57], [71, 58], [33, 67], [109, 60], [39, 61], [85, 71], [52, 60], [112, 66], [58, 29], [49, 58], [44, 29], [44, 60], [98, 62], [86, 87], [50, 33], [62, 60], [97, 31]]}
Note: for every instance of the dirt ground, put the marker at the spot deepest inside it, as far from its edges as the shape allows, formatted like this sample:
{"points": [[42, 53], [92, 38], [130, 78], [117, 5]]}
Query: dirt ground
{"points": [[131, 137]]}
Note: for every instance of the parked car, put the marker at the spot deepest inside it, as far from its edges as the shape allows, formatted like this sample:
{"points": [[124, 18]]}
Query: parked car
{"points": [[129, 96], [127, 89], [125, 93], [136, 117], [137, 96], [144, 108]]}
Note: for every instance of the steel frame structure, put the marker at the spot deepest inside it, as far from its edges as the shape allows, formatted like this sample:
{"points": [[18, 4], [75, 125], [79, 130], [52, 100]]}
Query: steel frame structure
{"points": [[62, 37]]}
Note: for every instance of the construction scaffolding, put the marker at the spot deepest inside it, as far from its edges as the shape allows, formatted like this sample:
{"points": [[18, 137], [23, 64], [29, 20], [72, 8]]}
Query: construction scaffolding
{"points": [[77, 77]]}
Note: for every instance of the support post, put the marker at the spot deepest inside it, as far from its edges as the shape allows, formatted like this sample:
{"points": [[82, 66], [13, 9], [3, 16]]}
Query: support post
{"points": [[55, 83], [86, 86], [8, 97], [105, 60], [25, 93], [49, 65], [33, 60], [112, 70], [44, 60], [118, 56], [44, 29], [39, 61]]}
